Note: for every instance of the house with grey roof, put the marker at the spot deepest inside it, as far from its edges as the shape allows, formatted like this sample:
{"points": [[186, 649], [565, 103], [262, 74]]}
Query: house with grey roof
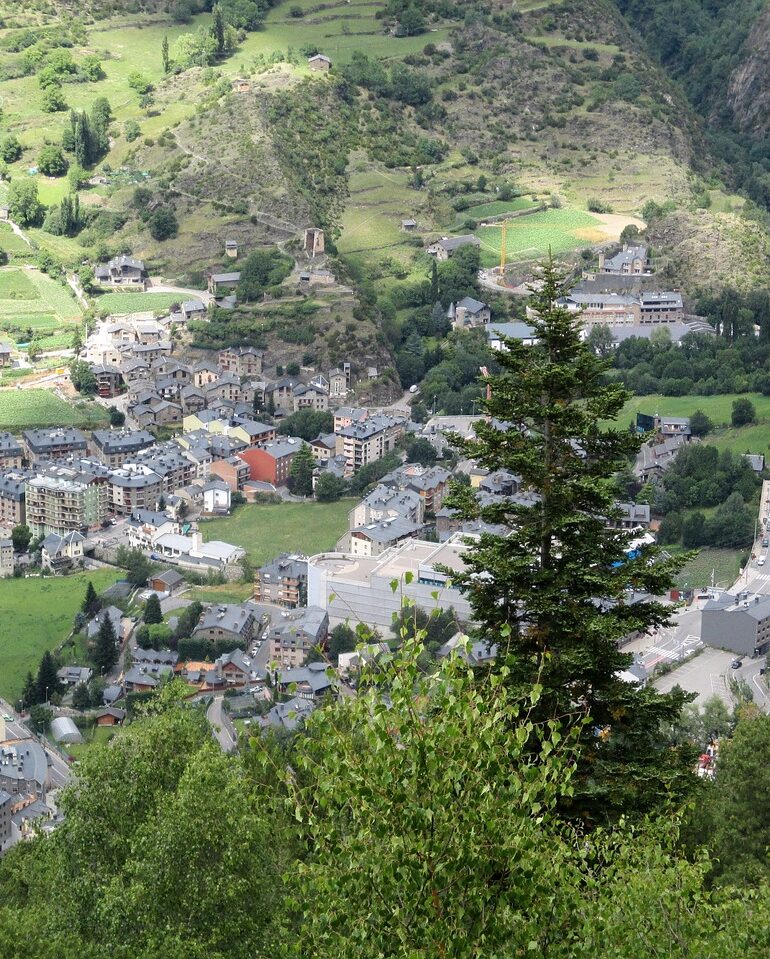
{"points": [[121, 271], [739, 623], [288, 715], [282, 582], [227, 621], [467, 313], [630, 261], [11, 452], [444, 248], [374, 538], [311, 682], [295, 633], [498, 333], [115, 616], [61, 551]]}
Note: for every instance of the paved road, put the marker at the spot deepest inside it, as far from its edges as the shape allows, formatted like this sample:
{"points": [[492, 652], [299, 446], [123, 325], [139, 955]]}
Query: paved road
{"points": [[156, 285], [216, 718], [58, 771]]}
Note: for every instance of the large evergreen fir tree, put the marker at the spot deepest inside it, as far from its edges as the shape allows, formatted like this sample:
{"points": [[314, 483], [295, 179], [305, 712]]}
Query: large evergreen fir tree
{"points": [[557, 593], [106, 651], [47, 682]]}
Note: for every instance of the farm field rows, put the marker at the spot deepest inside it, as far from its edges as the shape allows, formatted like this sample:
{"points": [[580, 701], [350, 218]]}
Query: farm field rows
{"points": [[121, 303], [264, 531], [41, 611], [379, 200], [530, 237], [496, 208], [25, 409], [30, 298]]}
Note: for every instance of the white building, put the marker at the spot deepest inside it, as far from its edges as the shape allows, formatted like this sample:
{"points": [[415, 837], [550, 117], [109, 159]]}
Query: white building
{"points": [[358, 588]]}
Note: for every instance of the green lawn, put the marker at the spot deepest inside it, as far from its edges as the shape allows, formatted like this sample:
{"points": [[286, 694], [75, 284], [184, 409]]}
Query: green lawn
{"points": [[266, 531], [117, 303], [227, 593], [96, 736], [530, 237], [724, 563], [24, 409], [718, 408], [37, 614]]}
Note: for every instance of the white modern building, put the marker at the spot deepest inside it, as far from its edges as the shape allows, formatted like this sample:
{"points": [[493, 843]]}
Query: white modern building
{"points": [[358, 588]]}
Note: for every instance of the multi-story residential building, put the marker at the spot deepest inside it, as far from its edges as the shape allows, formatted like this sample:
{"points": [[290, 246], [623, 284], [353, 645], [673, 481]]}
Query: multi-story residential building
{"points": [[741, 625], [374, 538], [295, 633], [13, 497], [227, 621], [271, 462], [11, 453], [6, 558], [338, 383], [387, 502], [630, 261], [283, 582], [430, 483], [114, 447], [109, 379], [144, 526], [134, 487], [366, 442], [55, 443], [233, 470], [55, 504], [241, 360], [311, 397], [171, 463]]}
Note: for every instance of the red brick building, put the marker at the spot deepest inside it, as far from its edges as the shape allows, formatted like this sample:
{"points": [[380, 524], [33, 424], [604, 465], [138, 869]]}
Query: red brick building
{"points": [[271, 462]]}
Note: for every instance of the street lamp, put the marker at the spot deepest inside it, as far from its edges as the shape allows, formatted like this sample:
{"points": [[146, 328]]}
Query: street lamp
{"points": [[46, 695]]}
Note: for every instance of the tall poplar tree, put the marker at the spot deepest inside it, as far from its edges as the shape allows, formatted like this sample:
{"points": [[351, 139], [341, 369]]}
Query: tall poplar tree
{"points": [[557, 592]]}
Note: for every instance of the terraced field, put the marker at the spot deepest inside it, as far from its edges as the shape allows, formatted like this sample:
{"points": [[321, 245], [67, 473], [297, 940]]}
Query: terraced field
{"points": [[30, 298], [379, 200]]}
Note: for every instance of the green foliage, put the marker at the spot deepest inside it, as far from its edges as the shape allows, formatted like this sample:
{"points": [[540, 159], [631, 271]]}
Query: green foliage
{"points": [[162, 223], [260, 270], [152, 611], [135, 563], [301, 472], [21, 537], [10, 149], [105, 652], [139, 84], [552, 592], [46, 682], [82, 377], [24, 206], [329, 488], [53, 100], [91, 603], [307, 424], [743, 413], [700, 424]]}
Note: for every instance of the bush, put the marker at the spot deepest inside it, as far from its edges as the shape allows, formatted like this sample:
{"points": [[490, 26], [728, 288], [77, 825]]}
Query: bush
{"points": [[743, 413], [162, 224], [51, 161]]}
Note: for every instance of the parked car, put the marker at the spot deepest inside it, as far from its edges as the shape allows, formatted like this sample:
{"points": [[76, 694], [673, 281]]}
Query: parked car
{"points": [[766, 541], [736, 664]]}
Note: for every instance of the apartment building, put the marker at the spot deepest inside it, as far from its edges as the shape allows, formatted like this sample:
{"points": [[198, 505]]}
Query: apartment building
{"points": [[114, 447], [271, 462], [56, 443], [11, 453], [241, 360], [13, 497], [55, 504], [295, 632], [282, 582], [368, 441], [134, 487]]}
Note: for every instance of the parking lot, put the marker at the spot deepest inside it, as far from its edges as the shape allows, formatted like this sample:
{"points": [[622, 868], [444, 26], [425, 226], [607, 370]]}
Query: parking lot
{"points": [[706, 674]]}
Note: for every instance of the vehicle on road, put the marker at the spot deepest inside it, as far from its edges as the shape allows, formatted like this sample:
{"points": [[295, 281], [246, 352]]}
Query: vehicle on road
{"points": [[736, 664], [761, 561], [7, 718], [766, 541], [413, 388]]}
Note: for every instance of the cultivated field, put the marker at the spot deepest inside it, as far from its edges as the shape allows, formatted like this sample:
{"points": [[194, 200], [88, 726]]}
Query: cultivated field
{"points": [[266, 531], [120, 303], [37, 614], [496, 208], [31, 298], [531, 237], [25, 409]]}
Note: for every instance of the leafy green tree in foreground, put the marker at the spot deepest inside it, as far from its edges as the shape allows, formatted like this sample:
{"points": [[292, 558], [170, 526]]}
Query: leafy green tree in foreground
{"points": [[555, 594]]}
